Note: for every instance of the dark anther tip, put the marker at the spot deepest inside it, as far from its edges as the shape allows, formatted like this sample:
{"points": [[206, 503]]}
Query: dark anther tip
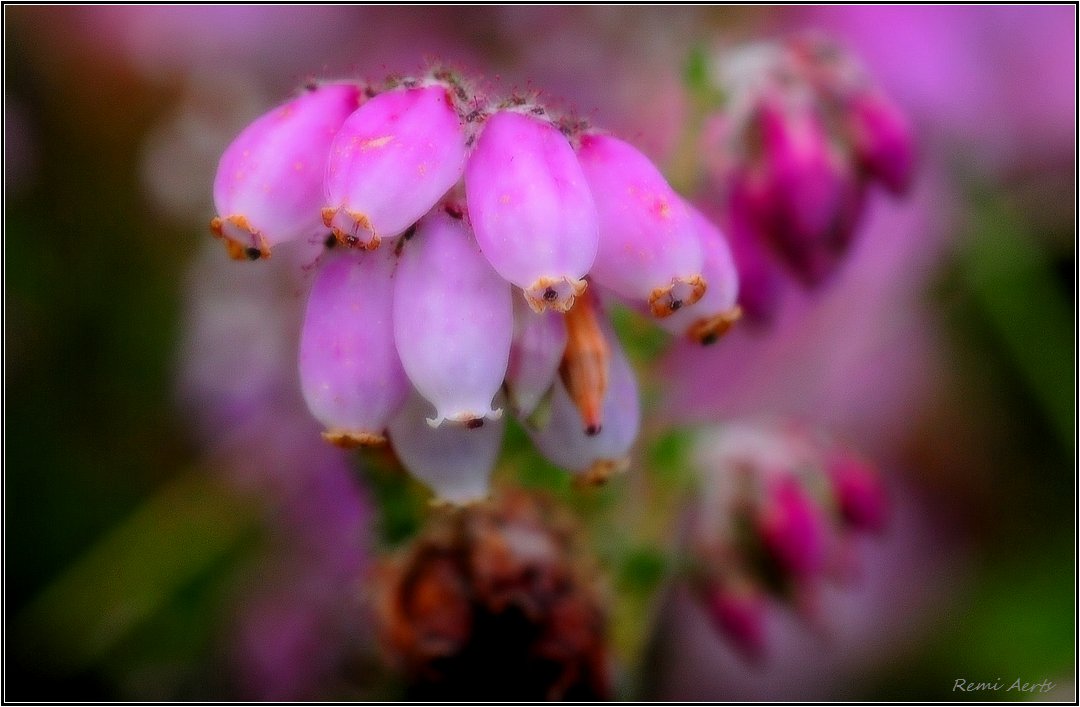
{"points": [[709, 339], [592, 430], [330, 241], [550, 294], [676, 305], [253, 253], [474, 423]]}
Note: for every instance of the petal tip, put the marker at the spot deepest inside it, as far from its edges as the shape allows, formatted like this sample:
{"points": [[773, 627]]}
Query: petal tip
{"points": [[682, 292], [351, 439]]}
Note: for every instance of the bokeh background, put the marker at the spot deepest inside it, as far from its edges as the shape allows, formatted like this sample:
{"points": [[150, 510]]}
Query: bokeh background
{"points": [[157, 549]]}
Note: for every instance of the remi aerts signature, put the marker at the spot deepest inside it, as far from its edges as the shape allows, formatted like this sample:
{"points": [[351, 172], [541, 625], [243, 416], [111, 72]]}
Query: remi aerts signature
{"points": [[962, 685]]}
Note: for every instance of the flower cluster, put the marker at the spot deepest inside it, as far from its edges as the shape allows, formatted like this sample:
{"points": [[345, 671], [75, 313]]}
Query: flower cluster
{"points": [[777, 517], [437, 205], [802, 133]]}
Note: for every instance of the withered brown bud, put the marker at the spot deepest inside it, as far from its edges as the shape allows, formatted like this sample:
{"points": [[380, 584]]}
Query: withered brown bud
{"points": [[490, 604]]}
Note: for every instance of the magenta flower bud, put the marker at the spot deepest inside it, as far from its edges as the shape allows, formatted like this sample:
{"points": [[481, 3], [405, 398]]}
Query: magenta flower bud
{"points": [[860, 493], [792, 529], [738, 611], [882, 140], [593, 455], [454, 461], [531, 209], [805, 196], [649, 251], [349, 369], [269, 183], [392, 160], [716, 312], [535, 353], [453, 320]]}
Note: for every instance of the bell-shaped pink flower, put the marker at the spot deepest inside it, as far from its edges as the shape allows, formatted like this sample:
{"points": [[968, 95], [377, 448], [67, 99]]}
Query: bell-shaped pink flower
{"points": [[531, 208], [454, 461], [792, 528], [649, 251], [392, 160], [593, 455], [882, 140], [350, 374], [537, 348], [453, 320], [717, 311], [269, 187]]}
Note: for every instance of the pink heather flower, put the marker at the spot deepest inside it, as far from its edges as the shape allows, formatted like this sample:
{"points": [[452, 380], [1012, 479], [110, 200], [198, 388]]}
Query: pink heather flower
{"points": [[531, 208], [535, 352], [349, 368], [882, 140], [591, 454], [454, 461], [792, 528], [453, 320], [710, 317], [269, 184], [649, 251], [860, 493], [393, 159]]}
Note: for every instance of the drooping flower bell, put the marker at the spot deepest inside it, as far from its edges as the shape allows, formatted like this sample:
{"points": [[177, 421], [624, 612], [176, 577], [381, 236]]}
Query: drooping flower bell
{"points": [[453, 320], [392, 160], [531, 208], [535, 353], [595, 411], [350, 373], [649, 251], [269, 187], [454, 461], [705, 321]]}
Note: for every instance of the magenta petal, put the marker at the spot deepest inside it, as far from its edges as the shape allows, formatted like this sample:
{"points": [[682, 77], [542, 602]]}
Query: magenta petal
{"points": [[454, 461], [563, 438], [393, 159], [792, 528], [531, 208], [860, 492], [882, 140], [738, 610], [648, 251], [453, 320], [349, 369], [269, 183]]}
